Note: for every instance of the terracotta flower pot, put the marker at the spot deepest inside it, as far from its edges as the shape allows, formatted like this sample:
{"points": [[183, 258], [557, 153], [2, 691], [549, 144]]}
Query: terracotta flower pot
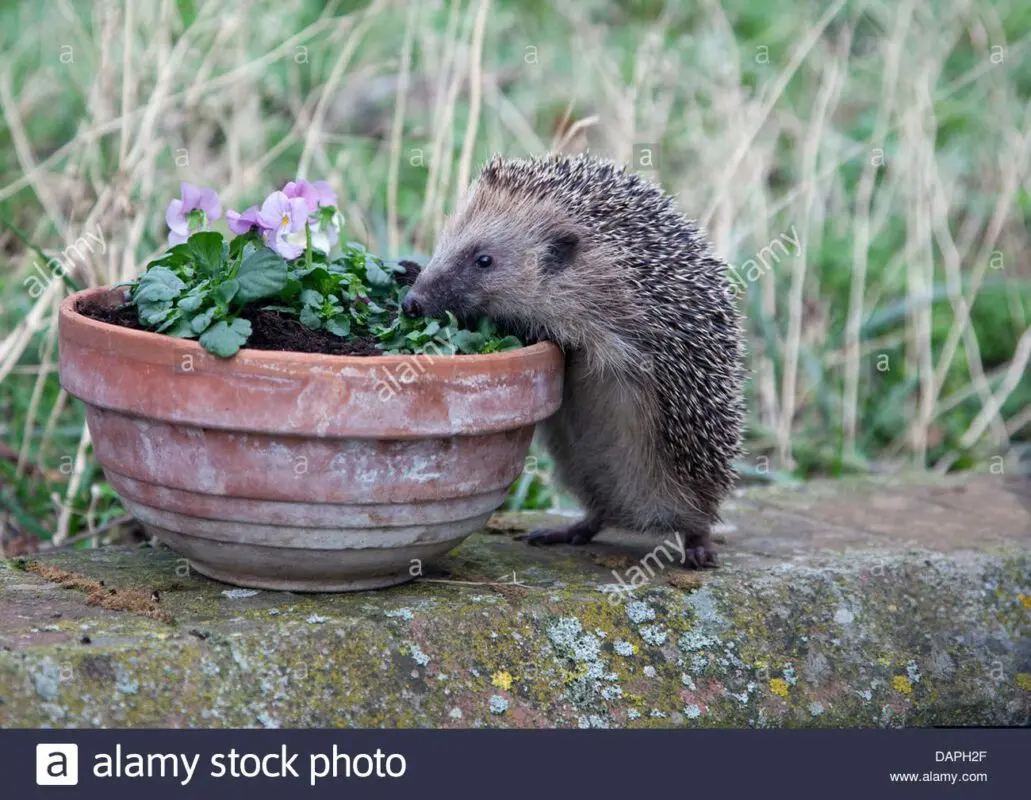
{"points": [[304, 472]]}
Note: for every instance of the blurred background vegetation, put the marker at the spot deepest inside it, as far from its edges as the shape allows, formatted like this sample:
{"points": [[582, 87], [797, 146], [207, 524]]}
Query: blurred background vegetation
{"points": [[890, 140]]}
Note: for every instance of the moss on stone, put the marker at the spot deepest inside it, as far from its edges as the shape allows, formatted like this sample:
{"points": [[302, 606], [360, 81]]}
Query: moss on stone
{"points": [[867, 639]]}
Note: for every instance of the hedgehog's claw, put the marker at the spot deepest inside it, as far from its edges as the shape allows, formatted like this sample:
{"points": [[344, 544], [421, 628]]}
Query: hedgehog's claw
{"points": [[700, 558]]}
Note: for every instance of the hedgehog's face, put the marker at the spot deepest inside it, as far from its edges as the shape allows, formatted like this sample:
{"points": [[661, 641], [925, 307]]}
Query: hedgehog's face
{"points": [[492, 264], [464, 277]]}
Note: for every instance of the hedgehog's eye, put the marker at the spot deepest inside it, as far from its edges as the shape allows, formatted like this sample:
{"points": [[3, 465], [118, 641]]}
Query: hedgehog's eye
{"points": [[484, 261]]}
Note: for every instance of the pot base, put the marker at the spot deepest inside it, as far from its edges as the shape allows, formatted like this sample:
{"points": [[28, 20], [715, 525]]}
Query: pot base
{"points": [[234, 578], [246, 562]]}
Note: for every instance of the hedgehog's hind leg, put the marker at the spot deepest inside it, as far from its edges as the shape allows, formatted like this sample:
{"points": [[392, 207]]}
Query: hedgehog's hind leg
{"points": [[578, 533]]}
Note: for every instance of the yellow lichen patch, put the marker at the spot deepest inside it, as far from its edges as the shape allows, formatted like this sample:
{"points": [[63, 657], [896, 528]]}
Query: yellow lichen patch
{"points": [[581, 671], [1024, 681], [502, 680], [779, 687], [902, 684], [1025, 600]]}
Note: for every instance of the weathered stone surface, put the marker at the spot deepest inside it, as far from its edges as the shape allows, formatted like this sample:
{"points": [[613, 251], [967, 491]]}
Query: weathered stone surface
{"points": [[859, 603]]}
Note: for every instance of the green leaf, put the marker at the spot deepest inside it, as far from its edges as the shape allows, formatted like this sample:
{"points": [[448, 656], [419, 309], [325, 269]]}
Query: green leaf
{"points": [[327, 282], [208, 251], [227, 290], [310, 318], [510, 343], [191, 302], [339, 326], [375, 274], [158, 284], [312, 298], [299, 272], [432, 328], [244, 244], [200, 322], [225, 339], [173, 257], [263, 273], [153, 314], [181, 329], [170, 320], [468, 341]]}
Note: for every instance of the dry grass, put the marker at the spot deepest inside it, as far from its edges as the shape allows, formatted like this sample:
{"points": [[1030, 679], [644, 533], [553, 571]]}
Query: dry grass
{"points": [[101, 595], [893, 137]]}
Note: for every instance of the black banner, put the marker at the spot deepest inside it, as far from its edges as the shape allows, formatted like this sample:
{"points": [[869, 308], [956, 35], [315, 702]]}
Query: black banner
{"points": [[516, 763]]}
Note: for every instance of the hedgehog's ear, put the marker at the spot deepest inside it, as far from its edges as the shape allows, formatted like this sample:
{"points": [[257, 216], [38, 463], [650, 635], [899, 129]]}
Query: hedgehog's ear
{"points": [[560, 250]]}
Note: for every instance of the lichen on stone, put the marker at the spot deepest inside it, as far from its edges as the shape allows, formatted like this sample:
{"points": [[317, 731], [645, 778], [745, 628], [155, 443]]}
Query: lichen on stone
{"points": [[498, 704], [753, 647], [639, 611], [779, 687]]}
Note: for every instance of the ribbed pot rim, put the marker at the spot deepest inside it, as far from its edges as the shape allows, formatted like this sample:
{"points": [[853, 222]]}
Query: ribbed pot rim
{"points": [[71, 315], [154, 376]]}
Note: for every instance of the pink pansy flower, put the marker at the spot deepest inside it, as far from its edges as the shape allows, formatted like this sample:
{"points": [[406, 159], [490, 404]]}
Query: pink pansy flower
{"points": [[281, 216], [303, 190], [315, 194], [191, 213], [242, 223], [324, 231]]}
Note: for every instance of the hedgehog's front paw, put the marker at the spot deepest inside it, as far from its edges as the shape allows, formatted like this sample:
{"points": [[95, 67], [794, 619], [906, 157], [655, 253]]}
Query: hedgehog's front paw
{"points": [[565, 535], [578, 533]]}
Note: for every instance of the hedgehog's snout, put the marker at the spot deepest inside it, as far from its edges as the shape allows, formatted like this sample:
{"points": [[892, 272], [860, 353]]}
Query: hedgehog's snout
{"points": [[417, 302], [424, 299], [411, 305]]}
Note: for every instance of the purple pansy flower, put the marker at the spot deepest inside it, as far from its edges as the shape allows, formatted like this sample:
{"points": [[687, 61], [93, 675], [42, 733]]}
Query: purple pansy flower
{"points": [[191, 212], [281, 216], [242, 223]]}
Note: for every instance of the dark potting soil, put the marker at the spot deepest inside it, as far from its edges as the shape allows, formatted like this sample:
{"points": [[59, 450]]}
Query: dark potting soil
{"points": [[123, 315], [274, 330], [270, 330]]}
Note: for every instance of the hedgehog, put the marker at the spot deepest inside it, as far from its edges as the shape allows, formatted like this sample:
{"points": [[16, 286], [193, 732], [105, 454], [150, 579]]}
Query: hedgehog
{"points": [[582, 252]]}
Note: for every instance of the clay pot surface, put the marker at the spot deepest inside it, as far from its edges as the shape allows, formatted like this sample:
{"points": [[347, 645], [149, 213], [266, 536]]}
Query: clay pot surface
{"points": [[298, 471]]}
